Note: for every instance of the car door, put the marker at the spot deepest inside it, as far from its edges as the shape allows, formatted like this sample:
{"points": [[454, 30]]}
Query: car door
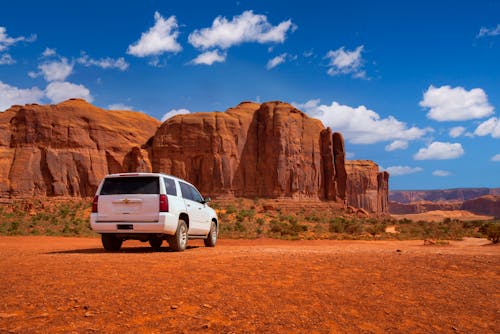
{"points": [[198, 219]]}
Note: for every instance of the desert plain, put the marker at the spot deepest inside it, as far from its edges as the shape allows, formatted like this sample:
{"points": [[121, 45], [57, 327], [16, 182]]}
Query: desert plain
{"points": [[71, 285]]}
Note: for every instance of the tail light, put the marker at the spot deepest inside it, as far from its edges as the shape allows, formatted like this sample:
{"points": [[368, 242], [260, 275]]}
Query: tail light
{"points": [[163, 203], [94, 204]]}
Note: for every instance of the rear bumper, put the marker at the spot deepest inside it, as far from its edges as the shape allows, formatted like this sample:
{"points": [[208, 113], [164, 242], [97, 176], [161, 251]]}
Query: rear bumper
{"points": [[166, 224]]}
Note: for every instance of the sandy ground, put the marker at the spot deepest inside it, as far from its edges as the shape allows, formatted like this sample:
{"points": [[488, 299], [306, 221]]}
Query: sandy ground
{"points": [[65, 285]]}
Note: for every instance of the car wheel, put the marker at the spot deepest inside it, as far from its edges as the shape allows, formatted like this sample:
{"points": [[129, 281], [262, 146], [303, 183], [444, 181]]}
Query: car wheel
{"points": [[178, 242], [155, 242], [211, 239], [111, 243]]}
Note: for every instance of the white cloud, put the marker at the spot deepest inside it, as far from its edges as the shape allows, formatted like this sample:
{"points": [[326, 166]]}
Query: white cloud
{"points": [[6, 59], [119, 106], [54, 70], [456, 104], [402, 170], [247, 27], [457, 131], [440, 151], [496, 158], [361, 125], [491, 32], [350, 155], [104, 63], [346, 62], [210, 57], [160, 38], [6, 41], [272, 63], [174, 112], [489, 127], [397, 145], [48, 52], [439, 172], [10, 95], [61, 91]]}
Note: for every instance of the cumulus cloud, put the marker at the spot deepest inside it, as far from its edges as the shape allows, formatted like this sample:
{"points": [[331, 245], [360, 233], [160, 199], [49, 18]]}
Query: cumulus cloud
{"points": [[361, 125], [48, 52], [6, 41], [210, 57], [439, 172], [489, 127], [456, 104], [343, 61], [10, 95], [6, 59], [174, 112], [402, 170], [119, 106], [60, 91], [247, 27], [272, 63], [160, 38], [490, 32], [496, 158], [457, 131], [440, 151], [105, 63], [397, 145], [57, 70]]}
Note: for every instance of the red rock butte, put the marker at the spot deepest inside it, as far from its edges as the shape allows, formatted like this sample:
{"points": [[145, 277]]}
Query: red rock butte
{"points": [[268, 150]]}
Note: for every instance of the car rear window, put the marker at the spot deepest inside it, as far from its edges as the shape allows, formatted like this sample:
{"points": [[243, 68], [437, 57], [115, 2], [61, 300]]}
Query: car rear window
{"points": [[131, 185]]}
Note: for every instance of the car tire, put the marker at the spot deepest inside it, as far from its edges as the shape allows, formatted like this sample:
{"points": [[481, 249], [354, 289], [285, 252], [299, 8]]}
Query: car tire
{"points": [[111, 243], [155, 242], [211, 239], [178, 242]]}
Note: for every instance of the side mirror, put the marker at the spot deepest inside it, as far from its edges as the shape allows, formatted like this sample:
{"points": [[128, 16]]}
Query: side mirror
{"points": [[207, 200]]}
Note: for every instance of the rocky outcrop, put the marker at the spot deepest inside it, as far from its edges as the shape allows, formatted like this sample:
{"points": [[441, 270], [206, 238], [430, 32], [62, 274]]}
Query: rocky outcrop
{"points": [[366, 187], [485, 205], [269, 150], [66, 149], [253, 150]]}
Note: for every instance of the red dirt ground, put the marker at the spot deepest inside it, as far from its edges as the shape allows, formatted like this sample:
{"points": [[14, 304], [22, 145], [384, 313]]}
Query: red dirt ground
{"points": [[66, 285]]}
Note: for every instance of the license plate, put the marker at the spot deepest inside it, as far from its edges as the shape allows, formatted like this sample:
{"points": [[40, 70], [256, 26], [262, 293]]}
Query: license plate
{"points": [[125, 227]]}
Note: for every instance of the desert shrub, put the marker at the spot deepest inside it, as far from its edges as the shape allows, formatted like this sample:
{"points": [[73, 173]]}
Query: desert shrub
{"points": [[287, 226], [230, 209], [337, 225], [493, 232]]}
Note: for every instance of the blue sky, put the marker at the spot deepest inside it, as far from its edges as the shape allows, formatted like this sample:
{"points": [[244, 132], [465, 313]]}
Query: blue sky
{"points": [[413, 86]]}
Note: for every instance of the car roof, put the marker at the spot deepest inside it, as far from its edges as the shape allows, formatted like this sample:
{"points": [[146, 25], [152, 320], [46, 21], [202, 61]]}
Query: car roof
{"points": [[145, 174]]}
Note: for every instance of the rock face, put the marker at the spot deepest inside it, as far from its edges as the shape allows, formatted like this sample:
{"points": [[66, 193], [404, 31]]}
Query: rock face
{"points": [[264, 150], [253, 150], [423, 206], [269, 150], [367, 188], [484, 205], [66, 149]]}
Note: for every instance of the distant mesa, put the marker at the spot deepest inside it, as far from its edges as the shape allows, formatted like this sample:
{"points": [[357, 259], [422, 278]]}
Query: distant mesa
{"points": [[268, 150], [481, 201]]}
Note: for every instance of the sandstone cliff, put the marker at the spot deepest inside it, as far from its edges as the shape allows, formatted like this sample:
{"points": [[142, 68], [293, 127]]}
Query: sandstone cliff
{"points": [[265, 150], [66, 149], [367, 187]]}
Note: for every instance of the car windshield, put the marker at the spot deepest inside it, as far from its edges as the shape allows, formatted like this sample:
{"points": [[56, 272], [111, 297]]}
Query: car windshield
{"points": [[130, 185]]}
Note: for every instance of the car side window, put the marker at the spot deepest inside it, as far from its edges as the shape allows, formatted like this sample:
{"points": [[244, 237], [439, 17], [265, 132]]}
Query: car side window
{"points": [[186, 191], [196, 195], [170, 187]]}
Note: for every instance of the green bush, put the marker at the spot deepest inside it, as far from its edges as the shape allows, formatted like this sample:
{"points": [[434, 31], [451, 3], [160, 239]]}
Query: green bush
{"points": [[493, 232]]}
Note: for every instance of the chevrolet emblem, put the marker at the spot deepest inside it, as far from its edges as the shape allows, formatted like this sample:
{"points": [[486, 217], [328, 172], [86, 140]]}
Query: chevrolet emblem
{"points": [[126, 201]]}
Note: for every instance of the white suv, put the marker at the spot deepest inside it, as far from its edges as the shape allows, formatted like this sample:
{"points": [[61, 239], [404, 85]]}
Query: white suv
{"points": [[151, 207]]}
